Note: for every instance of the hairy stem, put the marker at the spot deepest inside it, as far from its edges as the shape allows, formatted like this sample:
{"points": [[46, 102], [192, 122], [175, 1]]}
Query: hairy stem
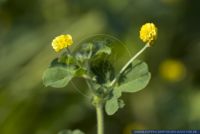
{"points": [[128, 63]]}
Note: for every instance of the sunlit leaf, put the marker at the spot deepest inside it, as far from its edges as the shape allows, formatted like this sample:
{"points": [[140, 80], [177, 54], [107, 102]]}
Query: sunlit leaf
{"points": [[134, 78], [104, 49], [117, 93], [58, 76], [111, 106]]}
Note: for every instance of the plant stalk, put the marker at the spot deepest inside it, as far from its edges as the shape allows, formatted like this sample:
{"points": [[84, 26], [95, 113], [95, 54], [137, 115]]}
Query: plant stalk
{"points": [[99, 104], [129, 62], [100, 118]]}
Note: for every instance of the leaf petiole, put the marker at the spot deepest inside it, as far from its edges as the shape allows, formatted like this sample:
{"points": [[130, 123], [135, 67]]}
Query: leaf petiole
{"points": [[128, 63]]}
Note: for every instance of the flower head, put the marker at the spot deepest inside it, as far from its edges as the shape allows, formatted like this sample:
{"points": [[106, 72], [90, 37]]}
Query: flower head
{"points": [[148, 33], [61, 42]]}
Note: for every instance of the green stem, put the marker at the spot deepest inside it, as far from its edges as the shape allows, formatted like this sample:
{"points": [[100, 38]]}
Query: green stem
{"points": [[100, 118], [129, 62]]}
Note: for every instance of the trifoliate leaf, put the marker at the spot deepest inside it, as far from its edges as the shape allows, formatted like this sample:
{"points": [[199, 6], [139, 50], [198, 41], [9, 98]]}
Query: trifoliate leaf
{"points": [[134, 78], [136, 84]]}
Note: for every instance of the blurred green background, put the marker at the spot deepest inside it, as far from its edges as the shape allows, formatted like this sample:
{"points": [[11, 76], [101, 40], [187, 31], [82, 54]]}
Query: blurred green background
{"points": [[27, 27]]}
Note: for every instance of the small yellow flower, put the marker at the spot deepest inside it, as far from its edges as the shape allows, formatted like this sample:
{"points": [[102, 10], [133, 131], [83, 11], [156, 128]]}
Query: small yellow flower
{"points": [[148, 33], [61, 42]]}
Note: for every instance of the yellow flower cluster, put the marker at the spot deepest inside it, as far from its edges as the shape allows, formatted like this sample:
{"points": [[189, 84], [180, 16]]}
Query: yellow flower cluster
{"points": [[61, 42], [148, 33]]}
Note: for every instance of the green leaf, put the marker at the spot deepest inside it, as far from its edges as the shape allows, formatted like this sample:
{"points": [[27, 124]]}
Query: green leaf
{"points": [[84, 53], [81, 72], [76, 131], [58, 76], [104, 49], [66, 58], [111, 106], [121, 103], [136, 85], [117, 93], [114, 103], [134, 78]]}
